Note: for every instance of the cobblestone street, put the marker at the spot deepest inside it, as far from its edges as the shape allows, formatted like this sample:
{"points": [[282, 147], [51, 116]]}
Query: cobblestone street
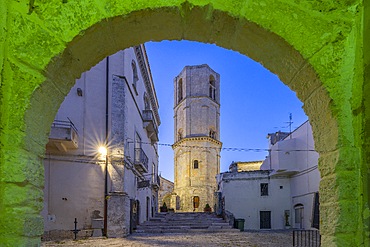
{"points": [[255, 239]]}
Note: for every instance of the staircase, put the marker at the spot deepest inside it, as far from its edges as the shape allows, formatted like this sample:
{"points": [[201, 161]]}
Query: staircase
{"points": [[184, 222]]}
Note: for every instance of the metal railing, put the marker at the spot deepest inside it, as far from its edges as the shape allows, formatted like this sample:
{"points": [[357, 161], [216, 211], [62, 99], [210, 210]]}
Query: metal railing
{"points": [[141, 158], [64, 124], [155, 182], [143, 184], [306, 238], [148, 116]]}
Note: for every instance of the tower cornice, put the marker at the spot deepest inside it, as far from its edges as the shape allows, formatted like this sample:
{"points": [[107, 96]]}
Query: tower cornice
{"points": [[196, 139]]}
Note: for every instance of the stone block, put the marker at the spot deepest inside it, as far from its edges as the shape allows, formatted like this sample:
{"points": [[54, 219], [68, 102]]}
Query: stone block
{"points": [[14, 240], [346, 239], [343, 159], [329, 218], [338, 217], [324, 125], [23, 167], [31, 42], [16, 195], [46, 98], [118, 218], [340, 186], [21, 221], [97, 223]]}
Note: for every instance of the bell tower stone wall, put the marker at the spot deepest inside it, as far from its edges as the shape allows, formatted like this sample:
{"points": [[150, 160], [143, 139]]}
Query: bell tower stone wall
{"points": [[197, 131]]}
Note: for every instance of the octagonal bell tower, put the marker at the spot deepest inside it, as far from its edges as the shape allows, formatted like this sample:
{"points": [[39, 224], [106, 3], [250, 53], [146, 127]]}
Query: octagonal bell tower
{"points": [[197, 143]]}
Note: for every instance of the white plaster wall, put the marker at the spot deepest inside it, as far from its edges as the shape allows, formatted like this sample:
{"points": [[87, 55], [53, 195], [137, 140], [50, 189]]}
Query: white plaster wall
{"points": [[83, 183], [304, 185], [72, 190], [87, 112], [242, 196], [300, 158], [296, 151]]}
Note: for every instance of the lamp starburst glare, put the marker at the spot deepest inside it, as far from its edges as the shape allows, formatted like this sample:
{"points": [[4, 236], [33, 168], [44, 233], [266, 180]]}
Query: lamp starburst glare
{"points": [[103, 150]]}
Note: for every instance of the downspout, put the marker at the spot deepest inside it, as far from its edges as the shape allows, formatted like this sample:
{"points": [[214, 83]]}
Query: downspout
{"points": [[106, 145]]}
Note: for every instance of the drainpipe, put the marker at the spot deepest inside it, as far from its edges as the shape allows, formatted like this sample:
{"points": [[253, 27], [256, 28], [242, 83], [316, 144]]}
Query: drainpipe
{"points": [[106, 145]]}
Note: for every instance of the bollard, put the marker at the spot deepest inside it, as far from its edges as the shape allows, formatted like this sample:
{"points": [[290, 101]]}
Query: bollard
{"points": [[75, 231]]}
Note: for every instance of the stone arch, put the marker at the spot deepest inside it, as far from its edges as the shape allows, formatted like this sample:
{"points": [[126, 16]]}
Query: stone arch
{"points": [[308, 46]]}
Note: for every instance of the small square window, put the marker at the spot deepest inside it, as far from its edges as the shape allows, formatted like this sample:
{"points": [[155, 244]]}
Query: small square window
{"points": [[264, 189], [281, 187]]}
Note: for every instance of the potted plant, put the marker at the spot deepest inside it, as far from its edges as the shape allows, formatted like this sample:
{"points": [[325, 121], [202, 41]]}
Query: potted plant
{"points": [[163, 208], [207, 208]]}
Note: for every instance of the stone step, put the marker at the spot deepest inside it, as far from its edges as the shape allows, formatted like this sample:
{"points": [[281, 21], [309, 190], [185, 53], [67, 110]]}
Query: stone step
{"points": [[184, 222], [183, 228], [178, 227], [186, 230]]}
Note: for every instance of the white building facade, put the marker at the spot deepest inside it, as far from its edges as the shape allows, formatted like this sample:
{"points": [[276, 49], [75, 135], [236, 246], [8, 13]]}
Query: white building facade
{"points": [[283, 193], [101, 161]]}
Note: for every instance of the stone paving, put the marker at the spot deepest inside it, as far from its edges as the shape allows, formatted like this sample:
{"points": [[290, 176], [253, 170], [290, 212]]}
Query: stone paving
{"points": [[210, 239]]}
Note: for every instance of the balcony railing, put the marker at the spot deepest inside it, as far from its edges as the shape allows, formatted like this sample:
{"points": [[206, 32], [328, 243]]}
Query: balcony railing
{"points": [[63, 136], [150, 125], [303, 238], [143, 184], [141, 161], [156, 183]]}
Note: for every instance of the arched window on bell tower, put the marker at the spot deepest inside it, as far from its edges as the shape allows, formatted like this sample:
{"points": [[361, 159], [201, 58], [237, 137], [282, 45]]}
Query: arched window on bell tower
{"points": [[179, 91], [212, 88], [212, 133], [195, 164], [179, 135]]}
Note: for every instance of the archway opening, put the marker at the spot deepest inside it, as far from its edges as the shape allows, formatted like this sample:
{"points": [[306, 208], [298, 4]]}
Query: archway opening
{"points": [[204, 24], [136, 92]]}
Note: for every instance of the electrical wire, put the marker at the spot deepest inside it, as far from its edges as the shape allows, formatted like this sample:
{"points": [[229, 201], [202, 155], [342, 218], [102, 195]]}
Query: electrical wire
{"points": [[235, 149]]}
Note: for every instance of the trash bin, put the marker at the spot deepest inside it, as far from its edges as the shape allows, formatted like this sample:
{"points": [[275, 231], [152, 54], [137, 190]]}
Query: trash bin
{"points": [[239, 224]]}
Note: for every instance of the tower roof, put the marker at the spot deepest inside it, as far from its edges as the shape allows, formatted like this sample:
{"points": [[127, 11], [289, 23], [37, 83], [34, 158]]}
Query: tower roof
{"points": [[205, 66]]}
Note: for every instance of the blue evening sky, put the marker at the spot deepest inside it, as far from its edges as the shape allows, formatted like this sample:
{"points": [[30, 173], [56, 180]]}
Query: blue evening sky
{"points": [[254, 102]]}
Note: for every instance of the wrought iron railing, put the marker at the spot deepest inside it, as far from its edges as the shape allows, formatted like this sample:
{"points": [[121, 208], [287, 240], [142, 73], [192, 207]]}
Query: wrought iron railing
{"points": [[306, 238], [149, 116], [64, 124], [143, 184], [141, 159]]}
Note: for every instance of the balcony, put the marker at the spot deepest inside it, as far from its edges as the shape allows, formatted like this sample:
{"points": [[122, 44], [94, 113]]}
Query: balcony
{"points": [[141, 161], [63, 136], [150, 125], [156, 183], [143, 184]]}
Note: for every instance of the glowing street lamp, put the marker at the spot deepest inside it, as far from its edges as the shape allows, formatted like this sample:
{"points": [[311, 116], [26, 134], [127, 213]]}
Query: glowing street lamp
{"points": [[103, 151]]}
